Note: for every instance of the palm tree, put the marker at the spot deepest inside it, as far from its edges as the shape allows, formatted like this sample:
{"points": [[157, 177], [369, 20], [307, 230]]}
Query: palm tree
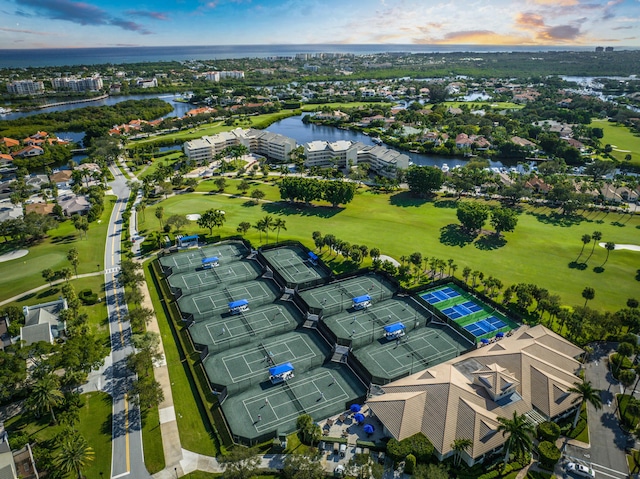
{"points": [[586, 394], [586, 239], [74, 454], [610, 246], [595, 236], [465, 274], [268, 224], [260, 227], [588, 294], [519, 432], [279, 224], [46, 395], [460, 446]]}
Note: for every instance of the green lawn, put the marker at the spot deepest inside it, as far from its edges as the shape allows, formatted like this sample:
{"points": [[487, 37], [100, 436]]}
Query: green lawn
{"points": [[621, 138], [191, 423], [152, 441], [98, 435], [541, 250], [493, 104], [23, 274], [269, 187], [343, 105]]}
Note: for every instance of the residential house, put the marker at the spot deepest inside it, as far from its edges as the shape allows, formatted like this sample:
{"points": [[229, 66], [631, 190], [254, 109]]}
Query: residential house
{"points": [[72, 204], [9, 211], [538, 185], [6, 161], [463, 141], [15, 464], [36, 182], [29, 151], [62, 178], [523, 142], [529, 373], [10, 142], [42, 322], [335, 115]]}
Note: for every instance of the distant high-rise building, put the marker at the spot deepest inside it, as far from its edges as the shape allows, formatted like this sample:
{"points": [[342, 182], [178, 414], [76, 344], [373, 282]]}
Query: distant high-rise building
{"points": [[599, 49], [608, 49]]}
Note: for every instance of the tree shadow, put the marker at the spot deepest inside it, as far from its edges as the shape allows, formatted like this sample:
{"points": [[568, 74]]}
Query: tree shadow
{"points": [[490, 242], [617, 223], [48, 292], [26, 297], [598, 269], [301, 209], [446, 203], [406, 199], [64, 239], [578, 266], [339, 265], [249, 204], [557, 219], [455, 235]]}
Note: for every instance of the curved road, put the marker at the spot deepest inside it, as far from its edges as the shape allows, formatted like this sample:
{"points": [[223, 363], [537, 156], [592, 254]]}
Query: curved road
{"points": [[127, 454]]}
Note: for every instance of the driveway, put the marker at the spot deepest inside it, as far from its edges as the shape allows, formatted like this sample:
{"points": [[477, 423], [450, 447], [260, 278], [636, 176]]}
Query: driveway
{"points": [[606, 455]]}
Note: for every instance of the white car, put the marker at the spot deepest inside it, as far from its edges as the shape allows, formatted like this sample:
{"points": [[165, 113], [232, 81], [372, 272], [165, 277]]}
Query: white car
{"points": [[339, 471], [581, 470]]}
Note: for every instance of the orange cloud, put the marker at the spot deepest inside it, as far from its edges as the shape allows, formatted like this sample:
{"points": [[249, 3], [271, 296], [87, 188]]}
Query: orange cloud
{"points": [[479, 37], [556, 3], [528, 20]]}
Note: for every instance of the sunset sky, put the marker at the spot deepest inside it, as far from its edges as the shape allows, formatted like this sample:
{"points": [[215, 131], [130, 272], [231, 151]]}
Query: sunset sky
{"points": [[98, 23]]}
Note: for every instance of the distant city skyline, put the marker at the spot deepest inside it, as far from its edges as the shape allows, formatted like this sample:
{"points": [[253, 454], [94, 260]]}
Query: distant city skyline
{"points": [[97, 23]]}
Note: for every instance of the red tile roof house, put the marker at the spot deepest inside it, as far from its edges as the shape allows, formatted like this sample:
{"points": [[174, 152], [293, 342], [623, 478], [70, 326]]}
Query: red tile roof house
{"points": [[29, 151], [538, 185], [10, 142], [5, 160]]}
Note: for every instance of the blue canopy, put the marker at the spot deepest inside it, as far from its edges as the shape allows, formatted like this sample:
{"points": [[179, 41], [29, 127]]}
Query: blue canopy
{"points": [[355, 408], [213, 259], [189, 238], [392, 328], [368, 428], [500, 335], [312, 255], [359, 417], [281, 369], [361, 299], [484, 341], [237, 304]]}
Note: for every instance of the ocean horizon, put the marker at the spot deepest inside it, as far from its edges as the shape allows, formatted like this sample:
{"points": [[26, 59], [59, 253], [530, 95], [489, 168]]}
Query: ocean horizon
{"points": [[24, 58]]}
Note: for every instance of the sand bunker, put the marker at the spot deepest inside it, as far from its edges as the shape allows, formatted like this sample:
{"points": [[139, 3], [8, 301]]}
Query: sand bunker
{"points": [[193, 217], [632, 247], [13, 255]]}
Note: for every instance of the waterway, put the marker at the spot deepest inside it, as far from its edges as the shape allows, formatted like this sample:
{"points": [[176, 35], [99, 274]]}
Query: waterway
{"points": [[179, 109], [293, 127]]}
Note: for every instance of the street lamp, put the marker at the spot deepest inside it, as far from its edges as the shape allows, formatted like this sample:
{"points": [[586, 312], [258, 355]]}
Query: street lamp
{"points": [[412, 357], [175, 469]]}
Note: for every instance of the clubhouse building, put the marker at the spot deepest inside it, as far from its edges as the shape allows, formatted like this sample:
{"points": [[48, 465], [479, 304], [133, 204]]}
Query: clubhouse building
{"points": [[528, 373]]}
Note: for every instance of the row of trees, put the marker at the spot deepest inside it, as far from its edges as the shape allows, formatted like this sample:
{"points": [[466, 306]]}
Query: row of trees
{"points": [[311, 189], [356, 253]]}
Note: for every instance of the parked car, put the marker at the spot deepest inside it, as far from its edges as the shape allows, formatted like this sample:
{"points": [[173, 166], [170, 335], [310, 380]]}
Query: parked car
{"points": [[343, 450], [339, 471], [581, 470]]}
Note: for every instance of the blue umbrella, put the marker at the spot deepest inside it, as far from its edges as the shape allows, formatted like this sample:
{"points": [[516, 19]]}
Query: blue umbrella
{"points": [[359, 417], [500, 335], [484, 341], [355, 408], [368, 428]]}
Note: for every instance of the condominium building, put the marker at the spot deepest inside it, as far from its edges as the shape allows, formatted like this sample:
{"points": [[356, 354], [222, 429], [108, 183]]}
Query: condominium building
{"points": [[271, 145], [345, 153], [93, 83], [221, 75], [25, 87]]}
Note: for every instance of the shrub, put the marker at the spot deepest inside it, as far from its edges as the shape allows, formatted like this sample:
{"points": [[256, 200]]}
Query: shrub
{"points": [[419, 446], [396, 450], [17, 440], [548, 431], [549, 454], [88, 297], [410, 464]]}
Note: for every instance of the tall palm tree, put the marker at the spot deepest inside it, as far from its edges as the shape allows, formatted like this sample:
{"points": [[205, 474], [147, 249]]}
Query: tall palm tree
{"points": [[586, 394], [588, 294], [260, 226], [459, 446], [268, 224], [75, 454], [595, 236], [46, 395], [586, 239], [609, 246], [279, 224], [519, 432]]}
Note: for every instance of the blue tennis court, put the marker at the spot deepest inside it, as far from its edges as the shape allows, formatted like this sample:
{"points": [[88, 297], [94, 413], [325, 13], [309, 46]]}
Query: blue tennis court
{"points": [[471, 306], [485, 326], [458, 311], [443, 294]]}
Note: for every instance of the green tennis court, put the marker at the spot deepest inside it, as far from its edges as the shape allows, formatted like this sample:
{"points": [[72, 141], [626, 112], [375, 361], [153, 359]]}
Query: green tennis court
{"points": [[213, 278], [320, 392], [203, 304], [419, 349], [335, 297], [226, 331], [365, 326], [192, 258], [241, 367], [294, 265]]}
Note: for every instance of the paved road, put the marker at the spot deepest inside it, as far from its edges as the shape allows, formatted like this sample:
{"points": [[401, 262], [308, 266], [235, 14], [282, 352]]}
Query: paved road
{"points": [[127, 455], [607, 452]]}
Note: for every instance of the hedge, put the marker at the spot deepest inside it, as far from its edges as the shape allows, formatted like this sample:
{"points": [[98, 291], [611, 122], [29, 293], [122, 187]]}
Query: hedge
{"points": [[410, 464], [549, 454], [548, 431]]}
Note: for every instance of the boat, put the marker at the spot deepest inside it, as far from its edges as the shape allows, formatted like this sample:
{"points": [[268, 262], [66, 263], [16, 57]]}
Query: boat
{"points": [[444, 167], [376, 140], [4, 111]]}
